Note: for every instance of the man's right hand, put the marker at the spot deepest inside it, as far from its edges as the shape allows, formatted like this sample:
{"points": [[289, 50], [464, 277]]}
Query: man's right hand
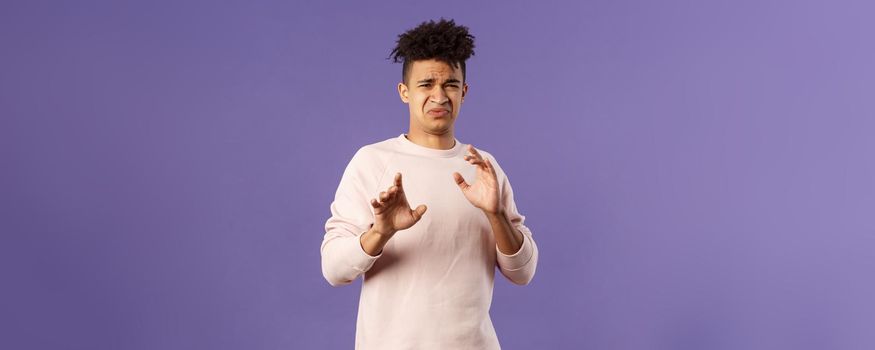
{"points": [[392, 213]]}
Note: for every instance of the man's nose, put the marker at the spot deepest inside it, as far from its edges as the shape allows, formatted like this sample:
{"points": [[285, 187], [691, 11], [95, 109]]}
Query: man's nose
{"points": [[439, 96]]}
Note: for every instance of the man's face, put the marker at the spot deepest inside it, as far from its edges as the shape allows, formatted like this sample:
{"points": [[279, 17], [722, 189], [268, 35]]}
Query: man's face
{"points": [[434, 92]]}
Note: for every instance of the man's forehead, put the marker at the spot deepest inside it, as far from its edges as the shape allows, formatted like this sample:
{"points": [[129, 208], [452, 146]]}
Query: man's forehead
{"points": [[434, 70]]}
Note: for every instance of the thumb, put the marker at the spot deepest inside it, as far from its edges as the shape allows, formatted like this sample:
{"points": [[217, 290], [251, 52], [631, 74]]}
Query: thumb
{"points": [[417, 213], [460, 180]]}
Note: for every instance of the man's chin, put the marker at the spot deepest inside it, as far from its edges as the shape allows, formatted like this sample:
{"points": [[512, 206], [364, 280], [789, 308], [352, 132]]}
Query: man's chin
{"points": [[436, 126], [440, 130], [445, 125]]}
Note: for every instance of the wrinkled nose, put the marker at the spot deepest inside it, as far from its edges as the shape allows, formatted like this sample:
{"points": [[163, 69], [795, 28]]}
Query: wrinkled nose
{"points": [[439, 96]]}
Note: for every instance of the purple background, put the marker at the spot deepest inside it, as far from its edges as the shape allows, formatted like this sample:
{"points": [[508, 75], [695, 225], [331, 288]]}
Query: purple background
{"points": [[697, 175]]}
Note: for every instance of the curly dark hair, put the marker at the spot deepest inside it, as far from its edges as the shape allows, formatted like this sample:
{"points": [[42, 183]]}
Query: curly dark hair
{"points": [[442, 40]]}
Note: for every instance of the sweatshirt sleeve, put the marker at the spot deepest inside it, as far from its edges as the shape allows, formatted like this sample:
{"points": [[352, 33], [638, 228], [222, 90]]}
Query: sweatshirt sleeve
{"points": [[518, 267], [343, 258]]}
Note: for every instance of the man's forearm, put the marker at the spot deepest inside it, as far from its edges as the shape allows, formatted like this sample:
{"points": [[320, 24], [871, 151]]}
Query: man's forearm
{"points": [[373, 241], [508, 238]]}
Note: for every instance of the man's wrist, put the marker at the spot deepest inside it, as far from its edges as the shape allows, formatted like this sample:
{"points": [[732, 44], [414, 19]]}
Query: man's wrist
{"points": [[382, 235], [372, 241], [498, 214]]}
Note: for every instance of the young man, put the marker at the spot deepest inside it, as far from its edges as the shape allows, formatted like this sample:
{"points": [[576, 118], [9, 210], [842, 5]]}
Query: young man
{"points": [[429, 270]]}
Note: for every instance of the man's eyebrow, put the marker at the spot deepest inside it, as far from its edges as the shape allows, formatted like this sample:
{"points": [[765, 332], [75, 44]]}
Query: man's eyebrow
{"points": [[431, 80]]}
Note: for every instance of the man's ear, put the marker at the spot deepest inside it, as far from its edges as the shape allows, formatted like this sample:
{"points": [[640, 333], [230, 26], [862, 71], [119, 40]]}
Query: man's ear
{"points": [[464, 91], [402, 92]]}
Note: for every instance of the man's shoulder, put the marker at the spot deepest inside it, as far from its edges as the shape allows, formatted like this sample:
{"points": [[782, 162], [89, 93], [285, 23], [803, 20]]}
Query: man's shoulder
{"points": [[375, 152], [387, 145], [488, 155], [485, 154]]}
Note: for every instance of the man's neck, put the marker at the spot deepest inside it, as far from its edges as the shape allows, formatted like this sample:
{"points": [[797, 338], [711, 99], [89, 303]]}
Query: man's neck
{"points": [[445, 141]]}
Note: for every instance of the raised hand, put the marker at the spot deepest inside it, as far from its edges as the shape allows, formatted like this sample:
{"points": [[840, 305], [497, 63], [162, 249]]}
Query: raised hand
{"points": [[484, 193], [392, 213]]}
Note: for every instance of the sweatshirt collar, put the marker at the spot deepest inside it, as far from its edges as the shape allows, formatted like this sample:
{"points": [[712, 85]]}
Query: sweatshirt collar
{"points": [[413, 148]]}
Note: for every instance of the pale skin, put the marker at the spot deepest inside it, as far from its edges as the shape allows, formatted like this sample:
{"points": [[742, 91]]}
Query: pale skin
{"points": [[434, 96]]}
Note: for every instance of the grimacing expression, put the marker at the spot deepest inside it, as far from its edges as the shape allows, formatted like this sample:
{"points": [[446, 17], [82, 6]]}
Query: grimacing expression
{"points": [[433, 92]]}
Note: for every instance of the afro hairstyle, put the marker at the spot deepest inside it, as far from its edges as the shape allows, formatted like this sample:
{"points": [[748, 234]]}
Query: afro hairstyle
{"points": [[442, 40]]}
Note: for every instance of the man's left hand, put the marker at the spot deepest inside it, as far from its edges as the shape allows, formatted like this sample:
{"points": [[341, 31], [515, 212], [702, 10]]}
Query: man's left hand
{"points": [[484, 193]]}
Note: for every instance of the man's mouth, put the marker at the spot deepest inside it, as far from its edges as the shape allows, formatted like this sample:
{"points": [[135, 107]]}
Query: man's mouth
{"points": [[438, 112]]}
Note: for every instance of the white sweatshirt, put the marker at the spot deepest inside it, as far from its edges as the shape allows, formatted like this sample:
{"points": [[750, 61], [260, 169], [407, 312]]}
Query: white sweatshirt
{"points": [[431, 286]]}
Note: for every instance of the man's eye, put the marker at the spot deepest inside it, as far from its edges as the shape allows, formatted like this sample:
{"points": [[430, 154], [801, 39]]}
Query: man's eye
{"points": [[453, 86]]}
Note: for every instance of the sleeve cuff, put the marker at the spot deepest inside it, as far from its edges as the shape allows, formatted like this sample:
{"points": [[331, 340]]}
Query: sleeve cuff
{"points": [[518, 260], [357, 258]]}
